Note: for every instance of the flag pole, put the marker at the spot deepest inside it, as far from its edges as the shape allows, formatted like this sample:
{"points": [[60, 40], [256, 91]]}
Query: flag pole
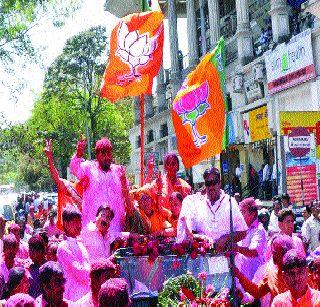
{"points": [[141, 98]]}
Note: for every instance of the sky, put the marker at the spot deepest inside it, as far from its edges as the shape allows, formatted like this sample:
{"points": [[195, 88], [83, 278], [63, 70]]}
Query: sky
{"points": [[52, 40]]}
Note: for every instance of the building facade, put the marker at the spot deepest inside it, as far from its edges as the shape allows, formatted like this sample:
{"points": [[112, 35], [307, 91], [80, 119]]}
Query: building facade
{"points": [[257, 32]]}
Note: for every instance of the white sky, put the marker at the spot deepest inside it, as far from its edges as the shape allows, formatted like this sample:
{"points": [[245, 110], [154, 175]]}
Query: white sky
{"points": [[52, 39]]}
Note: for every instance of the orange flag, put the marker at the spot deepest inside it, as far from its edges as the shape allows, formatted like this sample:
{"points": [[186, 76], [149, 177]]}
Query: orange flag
{"points": [[198, 111], [136, 47]]}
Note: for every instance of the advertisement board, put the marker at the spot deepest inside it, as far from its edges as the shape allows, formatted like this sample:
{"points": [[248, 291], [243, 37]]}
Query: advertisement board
{"points": [[301, 172], [258, 124], [308, 119], [290, 64]]}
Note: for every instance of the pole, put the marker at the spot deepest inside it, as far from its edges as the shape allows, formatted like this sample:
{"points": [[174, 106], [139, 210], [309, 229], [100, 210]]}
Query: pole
{"points": [[301, 181], [88, 138], [234, 302], [141, 140]]}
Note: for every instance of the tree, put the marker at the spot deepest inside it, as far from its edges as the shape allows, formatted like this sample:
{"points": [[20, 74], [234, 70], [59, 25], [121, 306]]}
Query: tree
{"points": [[76, 75], [17, 17]]}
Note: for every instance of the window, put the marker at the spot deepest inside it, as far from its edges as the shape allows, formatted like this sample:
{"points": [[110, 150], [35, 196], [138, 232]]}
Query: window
{"points": [[138, 141], [150, 136], [163, 130]]}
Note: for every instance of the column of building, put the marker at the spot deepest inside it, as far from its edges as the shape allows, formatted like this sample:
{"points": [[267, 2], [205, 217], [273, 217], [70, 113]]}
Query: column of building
{"points": [[214, 22], [279, 13], [192, 34], [161, 90], [173, 35], [244, 34]]}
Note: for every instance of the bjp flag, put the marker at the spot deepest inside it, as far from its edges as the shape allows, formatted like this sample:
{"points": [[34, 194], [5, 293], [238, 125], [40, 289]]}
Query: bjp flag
{"points": [[198, 111], [136, 48]]}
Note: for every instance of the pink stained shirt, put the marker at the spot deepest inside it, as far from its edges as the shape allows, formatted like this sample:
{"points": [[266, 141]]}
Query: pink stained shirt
{"points": [[23, 252], [51, 229], [74, 260], [297, 244], [256, 238], [310, 299], [86, 301], [98, 246], [103, 188]]}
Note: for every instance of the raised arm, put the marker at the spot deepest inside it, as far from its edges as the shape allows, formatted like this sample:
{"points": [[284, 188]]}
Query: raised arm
{"points": [[53, 171], [75, 164], [150, 169], [125, 192]]}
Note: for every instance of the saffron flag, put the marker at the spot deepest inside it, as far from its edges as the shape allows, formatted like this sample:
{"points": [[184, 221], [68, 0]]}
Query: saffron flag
{"points": [[136, 48], [198, 111]]}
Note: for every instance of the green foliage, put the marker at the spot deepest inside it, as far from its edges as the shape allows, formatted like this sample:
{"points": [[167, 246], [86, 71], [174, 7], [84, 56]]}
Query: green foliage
{"points": [[17, 17], [169, 296]]}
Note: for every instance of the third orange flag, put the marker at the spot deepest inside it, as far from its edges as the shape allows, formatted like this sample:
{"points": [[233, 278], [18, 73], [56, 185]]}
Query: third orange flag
{"points": [[198, 111]]}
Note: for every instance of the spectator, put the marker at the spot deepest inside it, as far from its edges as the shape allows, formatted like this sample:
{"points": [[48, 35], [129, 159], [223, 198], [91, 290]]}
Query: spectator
{"points": [[9, 260], [23, 252], [273, 223], [73, 256], [101, 271], [295, 273], [114, 293], [52, 283], [285, 201], [18, 282], [50, 225], [37, 251], [252, 248], [272, 281], [315, 274], [20, 300], [52, 251], [311, 231]]}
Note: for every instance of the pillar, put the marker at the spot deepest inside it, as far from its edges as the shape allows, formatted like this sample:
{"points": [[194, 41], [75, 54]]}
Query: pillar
{"points": [[244, 34], [214, 21], [192, 34]]}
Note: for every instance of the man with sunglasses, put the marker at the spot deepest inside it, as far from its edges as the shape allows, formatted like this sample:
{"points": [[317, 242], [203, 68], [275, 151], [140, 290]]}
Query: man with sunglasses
{"points": [[104, 185], [207, 216]]}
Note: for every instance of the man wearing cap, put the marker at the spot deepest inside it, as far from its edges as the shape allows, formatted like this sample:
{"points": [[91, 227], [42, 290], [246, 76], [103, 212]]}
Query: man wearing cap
{"points": [[208, 216], [104, 186]]}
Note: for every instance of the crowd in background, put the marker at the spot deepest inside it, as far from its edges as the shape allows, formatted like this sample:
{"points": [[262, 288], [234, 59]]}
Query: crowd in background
{"points": [[62, 254]]}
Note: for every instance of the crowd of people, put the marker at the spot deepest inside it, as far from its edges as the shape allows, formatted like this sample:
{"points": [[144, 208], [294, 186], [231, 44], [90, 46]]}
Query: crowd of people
{"points": [[64, 256]]}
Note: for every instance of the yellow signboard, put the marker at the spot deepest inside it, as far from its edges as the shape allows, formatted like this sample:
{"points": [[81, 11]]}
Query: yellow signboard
{"points": [[258, 124], [307, 119]]}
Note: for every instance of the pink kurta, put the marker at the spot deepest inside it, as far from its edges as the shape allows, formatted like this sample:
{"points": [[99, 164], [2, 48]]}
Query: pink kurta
{"points": [[74, 260], [103, 188], [23, 252]]}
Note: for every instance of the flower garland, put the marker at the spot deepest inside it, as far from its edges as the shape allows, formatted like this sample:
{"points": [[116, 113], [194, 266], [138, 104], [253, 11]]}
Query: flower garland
{"points": [[186, 290]]}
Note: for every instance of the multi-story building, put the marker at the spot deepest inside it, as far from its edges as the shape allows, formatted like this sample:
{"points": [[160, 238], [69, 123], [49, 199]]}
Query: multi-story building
{"points": [[262, 83]]}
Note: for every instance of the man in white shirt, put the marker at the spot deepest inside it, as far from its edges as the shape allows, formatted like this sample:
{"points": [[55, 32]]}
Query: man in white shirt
{"points": [[98, 236], [208, 216], [311, 230]]}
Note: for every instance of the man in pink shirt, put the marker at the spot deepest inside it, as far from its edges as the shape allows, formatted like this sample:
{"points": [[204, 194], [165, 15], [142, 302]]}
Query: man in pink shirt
{"points": [[73, 256], [295, 274], [23, 252], [101, 271], [50, 226], [104, 186], [286, 220]]}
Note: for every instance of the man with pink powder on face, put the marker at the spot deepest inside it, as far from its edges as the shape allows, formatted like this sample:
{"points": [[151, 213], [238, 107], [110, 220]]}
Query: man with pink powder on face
{"points": [[104, 186]]}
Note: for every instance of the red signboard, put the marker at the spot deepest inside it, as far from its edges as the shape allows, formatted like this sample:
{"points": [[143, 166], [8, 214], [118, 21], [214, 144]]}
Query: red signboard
{"points": [[310, 185], [299, 142]]}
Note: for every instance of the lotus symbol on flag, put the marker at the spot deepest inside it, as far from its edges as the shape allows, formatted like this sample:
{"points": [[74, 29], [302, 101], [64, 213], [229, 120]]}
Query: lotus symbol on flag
{"points": [[135, 49], [190, 107]]}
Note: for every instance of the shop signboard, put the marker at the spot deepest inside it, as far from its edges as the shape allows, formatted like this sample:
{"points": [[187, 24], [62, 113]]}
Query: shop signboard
{"points": [[290, 64], [308, 119], [301, 171], [258, 123]]}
